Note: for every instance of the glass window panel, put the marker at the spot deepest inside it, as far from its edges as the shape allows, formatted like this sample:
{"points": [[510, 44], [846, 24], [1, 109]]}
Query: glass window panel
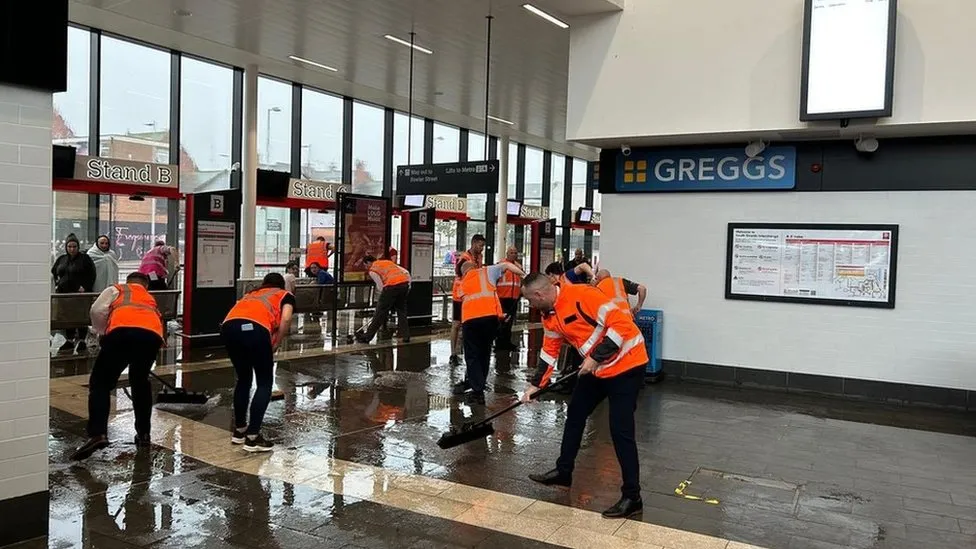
{"points": [[272, 235], [512, 167], [206, 121], [557, 186], [134, 101], [476, 146], [576, 237], [597, 201], [71, 107], [274, 125], [447, 143], [316, 224], [134, 226], [472, 228], [445, 246], [596, 247], [401, 132], [321, 136], [533, 176], [367, 149], [579, 184], [70, 217]]}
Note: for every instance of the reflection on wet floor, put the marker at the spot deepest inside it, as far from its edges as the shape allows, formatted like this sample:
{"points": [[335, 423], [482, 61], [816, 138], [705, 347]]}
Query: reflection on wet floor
{"points": [[768, 469]]}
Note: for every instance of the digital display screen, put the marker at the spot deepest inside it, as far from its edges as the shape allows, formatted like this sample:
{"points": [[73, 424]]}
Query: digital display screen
{"points": [[585, 215], [514, 208], [848, 59], [414, 200]]}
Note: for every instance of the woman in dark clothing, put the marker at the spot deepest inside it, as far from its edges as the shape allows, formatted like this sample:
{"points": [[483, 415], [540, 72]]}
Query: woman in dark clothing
{"points": [[73, 272]]}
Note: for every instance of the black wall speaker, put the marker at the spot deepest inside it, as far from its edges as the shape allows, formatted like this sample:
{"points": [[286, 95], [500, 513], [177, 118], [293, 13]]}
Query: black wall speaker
{"points": [[63, 164]]}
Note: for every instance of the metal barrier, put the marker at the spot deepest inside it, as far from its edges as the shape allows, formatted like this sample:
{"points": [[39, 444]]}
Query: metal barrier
{"points": [[321, 298], [74, 310]]}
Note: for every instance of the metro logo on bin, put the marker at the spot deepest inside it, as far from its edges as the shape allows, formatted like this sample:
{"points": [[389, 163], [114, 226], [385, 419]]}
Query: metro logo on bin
{"points": [[652, 170]]}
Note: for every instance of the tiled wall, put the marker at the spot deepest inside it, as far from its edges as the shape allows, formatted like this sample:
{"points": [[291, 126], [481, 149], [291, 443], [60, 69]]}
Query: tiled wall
{"points": [[25, 262], [675, 244]]}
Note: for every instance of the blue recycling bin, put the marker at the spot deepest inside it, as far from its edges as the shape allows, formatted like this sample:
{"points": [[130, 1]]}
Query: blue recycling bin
{"points": [[650, 322]]}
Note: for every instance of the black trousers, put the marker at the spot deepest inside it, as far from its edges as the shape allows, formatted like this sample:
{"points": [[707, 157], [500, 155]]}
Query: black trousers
{"points": [[510, 308], [132, 348], [249, 348], [478, 335], [621, 391], [391, 297]]}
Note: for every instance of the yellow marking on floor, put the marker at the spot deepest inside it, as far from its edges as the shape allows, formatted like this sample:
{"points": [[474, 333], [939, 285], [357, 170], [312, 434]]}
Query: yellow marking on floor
{"points": [[680, 492], [514, 515]]}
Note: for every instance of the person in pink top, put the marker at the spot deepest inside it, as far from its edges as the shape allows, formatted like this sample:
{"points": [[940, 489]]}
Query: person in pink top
{"points": [[156, 265]]}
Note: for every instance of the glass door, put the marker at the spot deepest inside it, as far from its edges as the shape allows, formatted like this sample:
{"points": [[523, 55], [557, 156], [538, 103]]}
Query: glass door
{"points": [[134, 226]]}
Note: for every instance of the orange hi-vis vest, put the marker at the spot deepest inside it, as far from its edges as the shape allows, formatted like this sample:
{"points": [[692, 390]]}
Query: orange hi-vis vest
{"points": [[480, 297], [510, 284], [390, 273], [134, 307], [317, 252], [614, 289], [262, 306], [456, 290], [582, 316]]}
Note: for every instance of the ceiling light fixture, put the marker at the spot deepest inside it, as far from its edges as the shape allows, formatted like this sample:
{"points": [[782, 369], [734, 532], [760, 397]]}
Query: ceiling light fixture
{"points": [[502, 120], [313, 63], [546, 16], [408, 44]]}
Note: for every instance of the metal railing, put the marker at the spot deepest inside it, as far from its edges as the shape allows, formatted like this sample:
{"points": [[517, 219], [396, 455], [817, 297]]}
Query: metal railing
{"points": [[74, 310]]}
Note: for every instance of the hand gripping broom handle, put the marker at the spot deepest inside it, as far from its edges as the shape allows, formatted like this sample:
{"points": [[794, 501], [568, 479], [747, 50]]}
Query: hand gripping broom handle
{"points": [[538, 393]]}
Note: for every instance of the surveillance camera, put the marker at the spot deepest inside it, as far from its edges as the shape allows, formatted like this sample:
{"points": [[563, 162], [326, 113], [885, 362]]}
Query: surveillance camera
{"points": [[866, 144], [755, 148], [625, 149]]}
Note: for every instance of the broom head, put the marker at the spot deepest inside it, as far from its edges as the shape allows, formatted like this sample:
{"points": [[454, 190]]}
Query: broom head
{"points": [[468, 433], [181, 397]]}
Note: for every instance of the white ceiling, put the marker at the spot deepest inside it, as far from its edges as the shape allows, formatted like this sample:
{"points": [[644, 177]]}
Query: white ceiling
{"points": [[529, 58]]}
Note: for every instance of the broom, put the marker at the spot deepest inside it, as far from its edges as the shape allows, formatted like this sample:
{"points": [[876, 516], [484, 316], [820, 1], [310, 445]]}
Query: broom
{"points": [[177, 395], [470, 432]]}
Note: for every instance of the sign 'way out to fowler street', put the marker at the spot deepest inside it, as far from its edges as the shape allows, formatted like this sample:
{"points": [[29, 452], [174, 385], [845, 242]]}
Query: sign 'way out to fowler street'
{"points": [[454, 178]]}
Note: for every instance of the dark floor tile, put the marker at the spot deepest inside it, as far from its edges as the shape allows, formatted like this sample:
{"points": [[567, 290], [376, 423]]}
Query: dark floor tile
{"points": [[863, 388], [816, 384], [707, 372], [498, 540], [797, 542], [955, 511], [749, 377], [936, 538], [268, 536]]}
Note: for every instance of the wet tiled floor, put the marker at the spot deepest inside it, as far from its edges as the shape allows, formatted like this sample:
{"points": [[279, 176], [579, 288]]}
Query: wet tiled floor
{"points": [[357, 460]]}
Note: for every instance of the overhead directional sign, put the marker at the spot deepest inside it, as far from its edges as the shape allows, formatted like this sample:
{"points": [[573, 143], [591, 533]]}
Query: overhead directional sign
{"points": [[453, 178]]}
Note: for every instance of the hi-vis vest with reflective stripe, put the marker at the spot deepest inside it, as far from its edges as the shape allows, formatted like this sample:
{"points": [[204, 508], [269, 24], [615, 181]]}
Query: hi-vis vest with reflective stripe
{"points": [[510, 284], [390, 273], [614, 288], [317, 252], [262, 306], [480, 298], [582, 317], [456, 290], [134, 308]]}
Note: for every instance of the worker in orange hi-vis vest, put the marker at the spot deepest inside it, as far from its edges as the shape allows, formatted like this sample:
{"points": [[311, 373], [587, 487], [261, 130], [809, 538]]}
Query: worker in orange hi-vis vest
{"points": [[318, 251], [481, 311], [393, 284], [474, 254], [509, 292], [614, 363], [619, 290], [252, 331], [131, 330]]}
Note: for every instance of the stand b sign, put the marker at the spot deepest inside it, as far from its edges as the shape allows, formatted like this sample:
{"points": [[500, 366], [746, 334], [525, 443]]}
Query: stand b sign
{"points": [[216, 204]]}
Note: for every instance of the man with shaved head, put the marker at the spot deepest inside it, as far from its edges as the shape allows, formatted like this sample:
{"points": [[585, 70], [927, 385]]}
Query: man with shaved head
{"points": [[619, 290]]}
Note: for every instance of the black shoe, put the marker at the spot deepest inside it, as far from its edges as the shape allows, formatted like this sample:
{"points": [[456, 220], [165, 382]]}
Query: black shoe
{"points": [[238, 437], [624, 508], [257, 444], [553, 478], [82, 347], [93, 445], [143, 441], [69, 346], [460, 388], [455, 360], [475, 397]]}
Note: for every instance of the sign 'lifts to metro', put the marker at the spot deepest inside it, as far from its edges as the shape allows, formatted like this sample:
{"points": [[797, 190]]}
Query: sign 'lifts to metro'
{"points": [[451, 178]]}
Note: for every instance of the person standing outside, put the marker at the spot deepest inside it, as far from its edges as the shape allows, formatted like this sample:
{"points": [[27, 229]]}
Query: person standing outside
{"points": [[509, 292], [126, 317], [393, 284], [252, 331], [73, 272], [480, 313], [157, 264], [474, 255], [618, 289], [106, 264], [613, 368]]}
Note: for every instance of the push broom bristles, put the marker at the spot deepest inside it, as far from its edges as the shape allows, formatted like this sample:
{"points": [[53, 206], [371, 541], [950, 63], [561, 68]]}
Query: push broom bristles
{"points": [[468, 433]]}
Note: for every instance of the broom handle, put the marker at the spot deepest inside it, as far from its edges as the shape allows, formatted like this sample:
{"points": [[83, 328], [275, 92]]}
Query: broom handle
{"points": [[164, 382], [537, 394]]}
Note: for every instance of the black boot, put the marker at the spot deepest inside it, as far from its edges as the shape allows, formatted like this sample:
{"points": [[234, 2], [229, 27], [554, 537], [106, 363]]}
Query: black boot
{"points": [[552, 478], [624, 508]]}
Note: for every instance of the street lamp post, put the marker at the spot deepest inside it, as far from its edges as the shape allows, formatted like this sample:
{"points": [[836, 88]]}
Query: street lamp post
{"points": [[267, 139]]}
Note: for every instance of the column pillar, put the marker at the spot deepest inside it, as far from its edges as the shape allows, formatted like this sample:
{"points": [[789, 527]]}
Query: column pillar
{"points": [[501, 227], [249, 187]]}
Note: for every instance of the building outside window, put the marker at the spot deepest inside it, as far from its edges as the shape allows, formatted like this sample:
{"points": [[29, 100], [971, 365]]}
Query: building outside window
{"points": [[206, 120], [367, 149], [274, 124]]}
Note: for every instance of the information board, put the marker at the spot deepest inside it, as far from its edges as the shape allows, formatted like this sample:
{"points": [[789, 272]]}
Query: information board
{"points": [[812, 263], [215, 254]]}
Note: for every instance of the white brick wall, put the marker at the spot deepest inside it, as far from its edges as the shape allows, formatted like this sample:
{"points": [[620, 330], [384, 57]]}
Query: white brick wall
{"points": [[25, 241], [676, 245]]}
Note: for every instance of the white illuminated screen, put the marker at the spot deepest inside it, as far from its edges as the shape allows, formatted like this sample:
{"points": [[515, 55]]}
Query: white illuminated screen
{"points": [[586, 216], [414, 200], [514, 208], [848, 54]]}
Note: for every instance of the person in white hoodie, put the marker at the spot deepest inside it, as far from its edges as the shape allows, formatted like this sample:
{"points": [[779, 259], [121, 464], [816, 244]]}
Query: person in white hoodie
{"points": [[106, 264]]}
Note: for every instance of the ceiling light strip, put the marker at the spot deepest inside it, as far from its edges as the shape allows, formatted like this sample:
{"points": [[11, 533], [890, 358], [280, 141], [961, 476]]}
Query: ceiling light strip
{"points": [[552, 19], [408, 44], [313, 63], [502, 120]]}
